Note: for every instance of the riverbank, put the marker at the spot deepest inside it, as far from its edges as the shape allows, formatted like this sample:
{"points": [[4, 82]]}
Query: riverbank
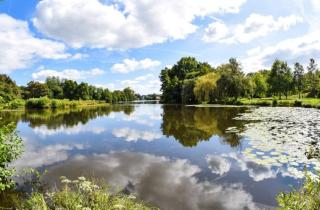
{"points": [[46, 103], [290, 102]]}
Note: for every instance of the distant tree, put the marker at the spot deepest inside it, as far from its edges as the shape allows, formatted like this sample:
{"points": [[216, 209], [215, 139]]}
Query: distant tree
{"points": [[82, 91], [260, 86], [70, 89], [55, 87], [280, 78], [187, 94], [129, 94], [36, 90], [298, 77], [312, 77]]}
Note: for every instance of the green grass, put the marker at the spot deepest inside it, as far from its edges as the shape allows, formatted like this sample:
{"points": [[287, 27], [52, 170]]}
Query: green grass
{"points": [[304, 102], [46, 103]]}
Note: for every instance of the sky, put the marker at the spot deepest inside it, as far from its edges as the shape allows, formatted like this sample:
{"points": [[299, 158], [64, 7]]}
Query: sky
{"points": [[119, 43]]}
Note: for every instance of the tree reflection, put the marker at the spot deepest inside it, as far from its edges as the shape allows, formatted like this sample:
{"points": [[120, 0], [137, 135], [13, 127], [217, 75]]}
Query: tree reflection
{"points": [[56, 118], [190, 125]]}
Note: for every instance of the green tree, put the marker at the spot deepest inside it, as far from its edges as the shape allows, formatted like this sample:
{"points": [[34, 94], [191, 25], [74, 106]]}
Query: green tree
{"points": [[172, 79], [205, 87], [280, 78], [36, 90], [312, 78], [55, 87], [298, 77], [83, 91], [8, 88], [70, 89]]}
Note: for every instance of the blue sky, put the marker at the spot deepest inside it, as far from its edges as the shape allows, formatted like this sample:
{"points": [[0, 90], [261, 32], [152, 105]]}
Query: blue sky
{"points": [[119, 43]]}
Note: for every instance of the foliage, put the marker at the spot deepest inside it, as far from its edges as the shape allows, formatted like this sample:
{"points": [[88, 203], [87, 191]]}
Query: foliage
{"points": [[46, 103], [173, 78], [205, 87], [306, 198], [8, 89], [81, 194], [10, 149]]}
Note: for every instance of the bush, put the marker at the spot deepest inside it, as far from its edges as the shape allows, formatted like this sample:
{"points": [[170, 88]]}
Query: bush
{"points": [[274, 102], [307, 105], [15, 104], [307, 198], [10, 149], [297, 103], [38, 103], [263, 103], [82, 194]]}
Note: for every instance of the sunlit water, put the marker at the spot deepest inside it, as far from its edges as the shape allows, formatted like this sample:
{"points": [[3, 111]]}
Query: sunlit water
{"points": [[174, 157]]}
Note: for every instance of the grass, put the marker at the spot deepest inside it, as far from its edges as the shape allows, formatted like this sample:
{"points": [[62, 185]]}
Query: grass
{"points": [[304, 102], [46, 103]]}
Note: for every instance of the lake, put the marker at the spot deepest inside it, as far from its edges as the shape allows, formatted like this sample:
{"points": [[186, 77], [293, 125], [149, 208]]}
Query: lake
{"points": [[175, 157]]}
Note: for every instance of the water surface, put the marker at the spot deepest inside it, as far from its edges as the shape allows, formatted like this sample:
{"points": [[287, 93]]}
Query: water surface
{"points": [[174, 157]]}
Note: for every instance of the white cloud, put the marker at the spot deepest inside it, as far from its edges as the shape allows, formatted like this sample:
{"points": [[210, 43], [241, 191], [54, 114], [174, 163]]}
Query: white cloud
{"points": [[79, 56], [292, 50], [146, 84], [19, 48], [125, 23], [218, 165], [73, 74], [255, 26], [130, 65], [135, 135]]}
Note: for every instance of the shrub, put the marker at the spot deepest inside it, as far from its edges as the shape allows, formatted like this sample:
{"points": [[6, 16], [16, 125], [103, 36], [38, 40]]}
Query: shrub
{"points": [[263, 103], [15, 104], [307, 198], [307, 105], [297, 103], [38, 103], [10, 149], [274, 102], [82, 194]]}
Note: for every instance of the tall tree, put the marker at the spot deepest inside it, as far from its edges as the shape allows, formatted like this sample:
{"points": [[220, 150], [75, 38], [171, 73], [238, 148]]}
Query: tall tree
{"points": [[8, 89], [312, 77], [298, 74]]}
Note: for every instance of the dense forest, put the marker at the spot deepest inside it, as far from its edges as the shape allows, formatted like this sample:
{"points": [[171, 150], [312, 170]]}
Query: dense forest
{"points": [[190, 81], [55, 88]]}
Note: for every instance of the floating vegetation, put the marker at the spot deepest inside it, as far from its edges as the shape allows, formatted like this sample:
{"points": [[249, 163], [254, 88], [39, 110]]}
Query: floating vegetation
{"points": [[283, 137]]}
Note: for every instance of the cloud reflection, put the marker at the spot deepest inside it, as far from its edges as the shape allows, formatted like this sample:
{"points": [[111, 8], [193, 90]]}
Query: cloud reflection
{"points": [[168, 184]]}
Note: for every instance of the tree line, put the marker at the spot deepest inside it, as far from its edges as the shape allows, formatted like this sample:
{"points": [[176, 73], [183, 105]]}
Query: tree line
{"points": [[56, 88], [191, 81]]}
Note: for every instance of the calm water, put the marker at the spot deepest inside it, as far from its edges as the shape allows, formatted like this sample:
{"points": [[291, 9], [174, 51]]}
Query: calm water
{"points": [[175, 157]]}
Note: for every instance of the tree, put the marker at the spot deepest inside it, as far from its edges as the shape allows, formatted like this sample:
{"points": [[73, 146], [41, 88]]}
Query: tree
{"points": [[280, 78], [70, 89], [205, 87], [231, 81], [83, 91], [36, 90], [8, 89], [55, 87], [172, 79], [298, 75], [312, 77]]}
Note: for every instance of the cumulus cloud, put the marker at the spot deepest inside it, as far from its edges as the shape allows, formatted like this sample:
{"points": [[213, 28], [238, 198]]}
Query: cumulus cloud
{"points": [[73, 74], [125, 23], [292, 50], [130, 65], [135, 135], [146, 84], [158, 180], [255, 26], [19, 47], [218, 164]]}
